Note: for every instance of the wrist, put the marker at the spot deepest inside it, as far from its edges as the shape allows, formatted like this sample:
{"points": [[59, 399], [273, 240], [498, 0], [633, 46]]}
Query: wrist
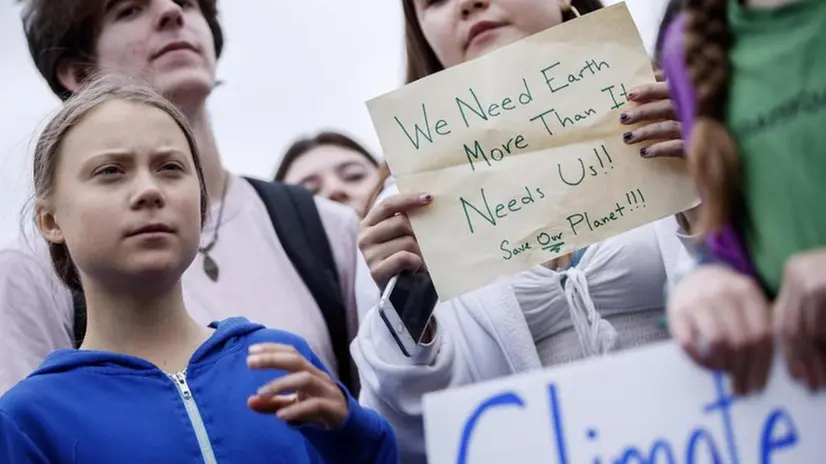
{"points": [[344, 411]]}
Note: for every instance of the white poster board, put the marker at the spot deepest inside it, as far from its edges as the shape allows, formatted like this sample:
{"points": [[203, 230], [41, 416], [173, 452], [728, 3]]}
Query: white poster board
{"points": [[646, 406]]}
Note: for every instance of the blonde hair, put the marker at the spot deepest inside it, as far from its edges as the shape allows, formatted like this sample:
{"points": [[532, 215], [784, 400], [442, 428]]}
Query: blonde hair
{"points": [[712, 151], [96, 92]]}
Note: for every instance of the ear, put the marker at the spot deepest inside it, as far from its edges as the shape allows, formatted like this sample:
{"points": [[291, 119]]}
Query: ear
{"points": [[71, 74], [47, 224]]}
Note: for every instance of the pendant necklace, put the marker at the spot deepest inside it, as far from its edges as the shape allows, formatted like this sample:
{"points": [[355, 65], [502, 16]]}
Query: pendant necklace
{"points": [[210, 266]]}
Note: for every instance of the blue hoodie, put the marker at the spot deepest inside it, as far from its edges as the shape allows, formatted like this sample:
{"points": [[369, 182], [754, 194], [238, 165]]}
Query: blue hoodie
{"points": [[97, 407]]}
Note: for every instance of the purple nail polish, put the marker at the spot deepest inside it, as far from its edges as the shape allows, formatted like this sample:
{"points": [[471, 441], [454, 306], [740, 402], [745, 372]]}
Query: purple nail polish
{"points": [[624, 117], [643, 152], [627, 136], [632, 95]]}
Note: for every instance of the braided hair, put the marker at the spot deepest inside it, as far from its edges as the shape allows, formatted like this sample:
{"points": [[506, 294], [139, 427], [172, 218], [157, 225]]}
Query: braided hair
{"points": [[712, 151]]}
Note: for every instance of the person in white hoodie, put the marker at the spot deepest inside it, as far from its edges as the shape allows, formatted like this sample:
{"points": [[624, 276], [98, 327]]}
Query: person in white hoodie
{"points": [[606, 297]]}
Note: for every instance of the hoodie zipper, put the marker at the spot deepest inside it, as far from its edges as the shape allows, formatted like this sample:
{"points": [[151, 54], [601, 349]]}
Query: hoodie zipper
{"points": [[194, 416]]}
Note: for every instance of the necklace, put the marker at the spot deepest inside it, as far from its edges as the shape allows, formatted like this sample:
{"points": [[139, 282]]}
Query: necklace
{"points": [[210, 266]]}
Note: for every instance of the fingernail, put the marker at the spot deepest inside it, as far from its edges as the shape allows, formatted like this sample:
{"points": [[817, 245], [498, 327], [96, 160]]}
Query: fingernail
{"points": [[627, 136], [426, 198], [263, 391], [643, 152], [253, 360], [632, 95], [624, 117], [256, 349]]}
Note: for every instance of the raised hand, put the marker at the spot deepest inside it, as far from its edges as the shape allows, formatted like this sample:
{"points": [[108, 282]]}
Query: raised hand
{"points": [[386, 239], [305, 394]]}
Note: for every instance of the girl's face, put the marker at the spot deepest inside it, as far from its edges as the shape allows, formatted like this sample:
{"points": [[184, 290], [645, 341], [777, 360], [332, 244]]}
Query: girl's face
{"points": [[460, 30], [337, 173], [126, 197], [166, 41]]}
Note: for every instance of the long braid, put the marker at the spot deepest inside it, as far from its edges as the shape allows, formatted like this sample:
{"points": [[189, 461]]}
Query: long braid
{"points": [[712, 150]]}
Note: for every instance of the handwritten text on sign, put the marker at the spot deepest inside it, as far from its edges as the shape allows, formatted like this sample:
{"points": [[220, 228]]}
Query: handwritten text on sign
{"points": [[651, 406], [522, 150]]}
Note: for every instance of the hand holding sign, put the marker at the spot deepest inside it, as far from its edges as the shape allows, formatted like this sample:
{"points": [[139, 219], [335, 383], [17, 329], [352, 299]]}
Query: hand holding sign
{"points": [[721, 319], [800, 316], [523, 153], [655, 105], [386, 239]]}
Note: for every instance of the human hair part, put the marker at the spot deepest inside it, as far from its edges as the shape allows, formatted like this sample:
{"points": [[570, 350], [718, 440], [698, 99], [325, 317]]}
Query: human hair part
{"points": [[324, 138], [68, 29], [422, 60], [712, 151], [384, 174], [97, 91]]}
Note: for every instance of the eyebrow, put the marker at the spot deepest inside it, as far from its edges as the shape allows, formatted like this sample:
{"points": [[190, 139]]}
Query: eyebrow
{"points": [[309, 178], [110, 4], [350, 163], [129, 155]]}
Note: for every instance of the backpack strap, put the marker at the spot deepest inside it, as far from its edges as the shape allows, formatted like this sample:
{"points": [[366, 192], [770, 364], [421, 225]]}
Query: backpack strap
{"points": [[79, 325], [298, 225]]}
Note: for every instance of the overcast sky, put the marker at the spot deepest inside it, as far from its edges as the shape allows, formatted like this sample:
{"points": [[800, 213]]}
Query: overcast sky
{"points": [[290, 68]]}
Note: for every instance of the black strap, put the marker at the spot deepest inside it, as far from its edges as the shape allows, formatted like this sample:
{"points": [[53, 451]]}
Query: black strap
{"points": [[298, 225], [79, 303]]}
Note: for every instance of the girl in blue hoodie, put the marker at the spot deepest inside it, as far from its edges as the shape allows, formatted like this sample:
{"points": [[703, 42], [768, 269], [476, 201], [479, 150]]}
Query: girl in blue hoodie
{"points": [[120, 200]]}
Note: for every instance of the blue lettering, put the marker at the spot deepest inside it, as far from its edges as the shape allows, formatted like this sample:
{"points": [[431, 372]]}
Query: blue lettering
{"points": [[500, 400], [558, 425], [698, 436], [769, 442], [779, 432], [724, 403], [660, 448]]}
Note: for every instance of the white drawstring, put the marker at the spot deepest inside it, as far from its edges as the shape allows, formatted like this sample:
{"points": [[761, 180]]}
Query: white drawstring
{"points": [[596, 335]]}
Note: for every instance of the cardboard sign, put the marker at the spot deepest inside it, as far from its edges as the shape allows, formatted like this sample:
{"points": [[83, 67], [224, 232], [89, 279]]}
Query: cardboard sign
{"points": [[522, 151]]}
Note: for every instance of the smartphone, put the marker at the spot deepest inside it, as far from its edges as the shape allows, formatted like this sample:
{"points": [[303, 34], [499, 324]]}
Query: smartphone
{"points": [[406, 307]]}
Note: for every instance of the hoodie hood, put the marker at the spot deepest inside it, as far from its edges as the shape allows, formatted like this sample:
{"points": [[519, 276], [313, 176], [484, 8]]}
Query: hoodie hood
{"points": [[227, 338]]}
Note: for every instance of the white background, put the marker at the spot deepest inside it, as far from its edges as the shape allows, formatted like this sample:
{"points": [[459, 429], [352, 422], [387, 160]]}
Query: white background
{"points": [[291, 68]]}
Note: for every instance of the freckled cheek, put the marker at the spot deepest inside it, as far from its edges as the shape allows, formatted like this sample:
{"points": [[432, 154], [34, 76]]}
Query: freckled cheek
{"points": [[130, 55], [91, 228], [187, 211], [137, 53]]}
